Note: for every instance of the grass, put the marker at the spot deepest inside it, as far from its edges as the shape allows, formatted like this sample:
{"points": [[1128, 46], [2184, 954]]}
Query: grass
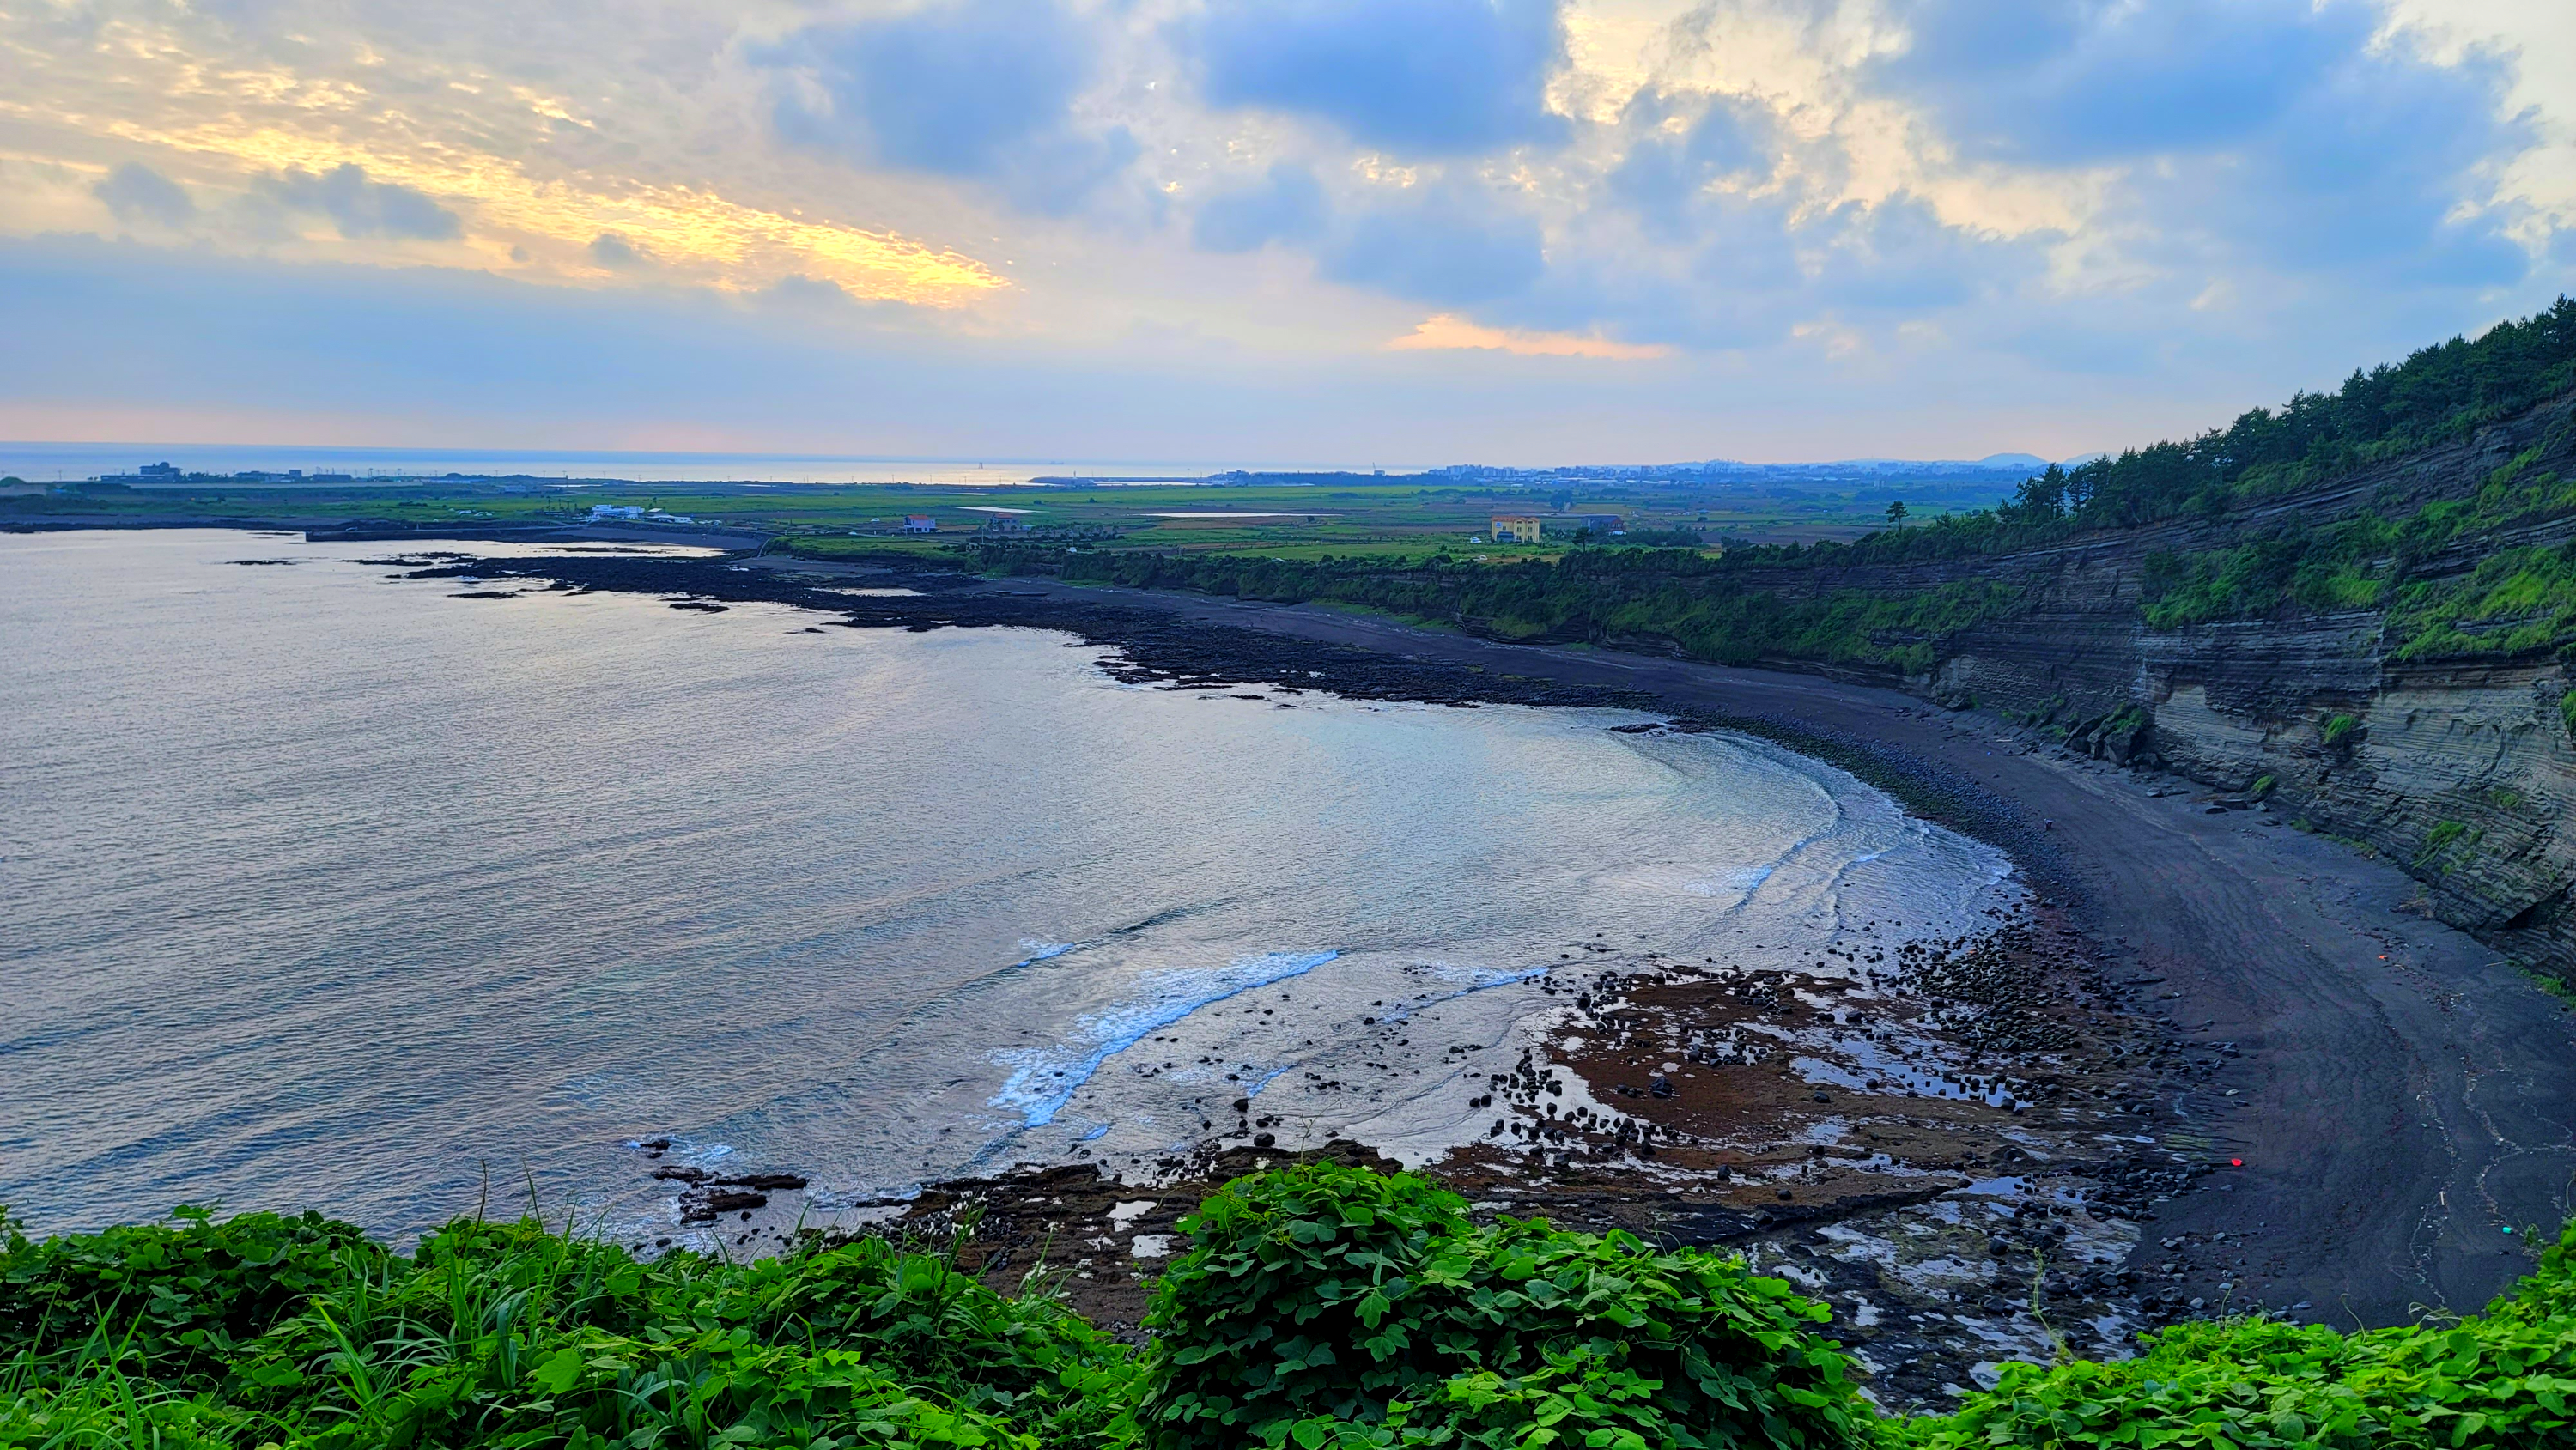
{"points": [[2507, 600], [1315, 1306], [2442, 838]]}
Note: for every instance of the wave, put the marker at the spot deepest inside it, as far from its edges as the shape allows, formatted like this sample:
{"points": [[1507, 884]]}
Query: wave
{"points": [[1043, 1080]]}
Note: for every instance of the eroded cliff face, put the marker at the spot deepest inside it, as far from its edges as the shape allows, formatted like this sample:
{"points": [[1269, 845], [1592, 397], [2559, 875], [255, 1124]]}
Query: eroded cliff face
{"points": [[2461, 769]]}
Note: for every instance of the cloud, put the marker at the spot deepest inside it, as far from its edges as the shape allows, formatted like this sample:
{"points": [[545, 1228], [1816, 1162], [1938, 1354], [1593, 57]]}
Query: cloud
{"points": [[1420, 77], [2294, 137], [973, 89], [1898, 257], [1445, 331], [1664, 172], [359, 207], [799, 291], [2075, 81], [1447, 248], [1879, 204], [136, 192], [1286, 206], [609, 249], [2380, 167]]}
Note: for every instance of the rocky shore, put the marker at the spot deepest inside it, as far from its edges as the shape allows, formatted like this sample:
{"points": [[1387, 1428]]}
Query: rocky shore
{"points": [[2211, 1069], [1970, 1148]]}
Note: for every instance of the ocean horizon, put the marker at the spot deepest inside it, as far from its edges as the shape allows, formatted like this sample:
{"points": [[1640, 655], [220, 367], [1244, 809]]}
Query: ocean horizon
{"points": [[43, 462]]}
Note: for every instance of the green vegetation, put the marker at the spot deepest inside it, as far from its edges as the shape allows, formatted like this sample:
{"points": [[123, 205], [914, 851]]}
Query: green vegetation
{"points": [[2442, 587], [2499, 1380], [2567, 712], [1316, 1301], [1317, 1307], [2509, 599], [2437, 394], [2261, 787], [297, 1331], [2336, 728], [1410, 518], [1692, 602], [2444, 836]]}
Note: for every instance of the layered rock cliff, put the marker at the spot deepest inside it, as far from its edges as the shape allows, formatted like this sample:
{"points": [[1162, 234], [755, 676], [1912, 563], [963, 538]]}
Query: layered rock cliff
{"points": [[2460, 766]]}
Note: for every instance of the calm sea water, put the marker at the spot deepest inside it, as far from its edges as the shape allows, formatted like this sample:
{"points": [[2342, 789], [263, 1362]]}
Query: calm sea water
{"points": [[323, 887]]}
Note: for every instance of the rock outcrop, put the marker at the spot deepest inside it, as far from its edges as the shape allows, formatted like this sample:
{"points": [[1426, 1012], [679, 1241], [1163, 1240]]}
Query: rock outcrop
{"points": [[2461, 769]]}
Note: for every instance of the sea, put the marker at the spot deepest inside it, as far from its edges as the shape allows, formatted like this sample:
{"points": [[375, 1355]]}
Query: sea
{"points": [[322, 886], [73, 462]]}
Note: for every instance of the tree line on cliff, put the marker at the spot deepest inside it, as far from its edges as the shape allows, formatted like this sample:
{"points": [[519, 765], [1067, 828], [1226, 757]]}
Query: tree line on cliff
{"points": [[1886, 600]]}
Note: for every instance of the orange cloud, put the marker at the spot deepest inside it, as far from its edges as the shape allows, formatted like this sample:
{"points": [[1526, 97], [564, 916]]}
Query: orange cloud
{"points": [[1442, 332]]}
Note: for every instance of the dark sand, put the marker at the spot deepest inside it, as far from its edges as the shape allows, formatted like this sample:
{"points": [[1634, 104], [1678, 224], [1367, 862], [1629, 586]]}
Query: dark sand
{"points": [[2401, 1097]]}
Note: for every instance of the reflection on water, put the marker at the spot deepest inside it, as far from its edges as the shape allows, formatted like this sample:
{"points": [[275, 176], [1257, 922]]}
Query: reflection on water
{"points": [[322, 886]]}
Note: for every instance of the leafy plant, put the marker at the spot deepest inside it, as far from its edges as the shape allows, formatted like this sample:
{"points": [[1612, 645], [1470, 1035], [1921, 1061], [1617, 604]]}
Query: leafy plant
{"points": [[2332, 732], [2504, 1381], [512, 1334], [1322, 1295], [1318, 1307]]}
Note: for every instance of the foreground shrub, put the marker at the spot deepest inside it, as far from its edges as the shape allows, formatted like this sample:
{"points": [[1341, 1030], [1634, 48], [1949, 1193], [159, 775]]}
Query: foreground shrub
{"points": [[2506, 1379], [1319, 1308], [1323, 1304], [300, 1333]]}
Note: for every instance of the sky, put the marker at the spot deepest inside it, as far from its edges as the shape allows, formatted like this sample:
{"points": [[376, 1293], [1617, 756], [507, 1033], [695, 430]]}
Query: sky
{"points": [[1386, 233]]}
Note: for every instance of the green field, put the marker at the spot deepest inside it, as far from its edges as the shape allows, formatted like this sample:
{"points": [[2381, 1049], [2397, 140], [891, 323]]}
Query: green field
{"points": [[1373, 521]]}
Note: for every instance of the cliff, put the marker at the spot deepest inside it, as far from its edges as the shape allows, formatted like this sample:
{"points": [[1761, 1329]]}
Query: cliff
{"points": [[2459, 763], [2374, 633]]}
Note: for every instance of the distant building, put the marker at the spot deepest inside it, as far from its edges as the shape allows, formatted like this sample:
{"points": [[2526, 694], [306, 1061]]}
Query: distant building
{"points": [[602, 512], [161, 471], [920, 524], [1597, 523], [1517, 528]]}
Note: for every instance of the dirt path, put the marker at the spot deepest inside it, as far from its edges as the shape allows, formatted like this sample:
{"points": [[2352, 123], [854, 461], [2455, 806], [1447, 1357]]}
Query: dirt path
{"points": [[2401, 1097]]}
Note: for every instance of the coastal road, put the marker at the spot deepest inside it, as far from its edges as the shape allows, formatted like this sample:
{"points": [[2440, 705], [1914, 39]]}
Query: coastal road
{"points": [[2404, 1104]]}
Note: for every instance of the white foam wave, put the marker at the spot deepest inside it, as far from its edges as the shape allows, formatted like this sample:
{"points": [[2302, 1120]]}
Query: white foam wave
{"points": [[1043, 1080]]}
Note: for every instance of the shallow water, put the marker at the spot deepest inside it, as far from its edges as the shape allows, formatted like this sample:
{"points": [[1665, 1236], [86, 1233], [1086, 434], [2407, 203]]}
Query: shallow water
{"points": [[319, 886]]}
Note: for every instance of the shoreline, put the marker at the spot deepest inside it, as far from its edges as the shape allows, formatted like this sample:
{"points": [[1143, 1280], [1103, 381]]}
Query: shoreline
{"points": [[2343, 1011], [2396, 1097]]}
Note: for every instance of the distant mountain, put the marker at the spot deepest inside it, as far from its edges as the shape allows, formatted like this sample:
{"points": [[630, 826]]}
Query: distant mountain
{"points": [[2008, 467]]}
